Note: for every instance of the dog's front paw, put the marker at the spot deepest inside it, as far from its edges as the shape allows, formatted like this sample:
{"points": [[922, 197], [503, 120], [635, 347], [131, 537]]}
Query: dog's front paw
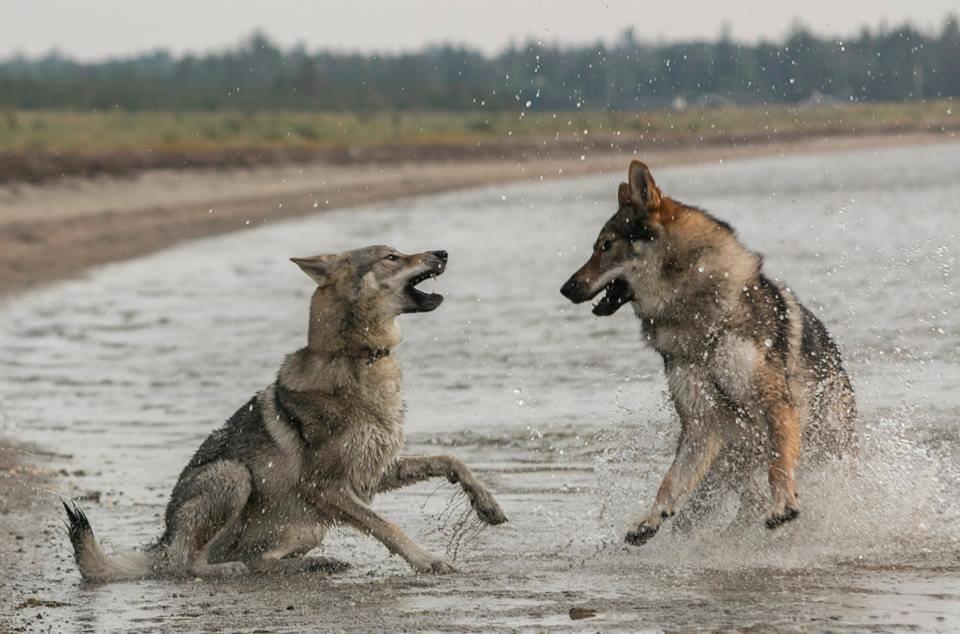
{"points": [[435, 566], [648, 526], [643, 533], [325, 564], [785, 509], [486, 507], [441, 567], [226, 569], [778, 518]]}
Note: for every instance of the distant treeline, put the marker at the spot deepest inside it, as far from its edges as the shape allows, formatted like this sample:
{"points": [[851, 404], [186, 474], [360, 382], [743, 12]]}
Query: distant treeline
{"points": [[890, 64]]}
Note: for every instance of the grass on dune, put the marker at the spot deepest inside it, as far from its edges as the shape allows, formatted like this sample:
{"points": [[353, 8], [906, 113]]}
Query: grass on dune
{"points": [[96, 132]]}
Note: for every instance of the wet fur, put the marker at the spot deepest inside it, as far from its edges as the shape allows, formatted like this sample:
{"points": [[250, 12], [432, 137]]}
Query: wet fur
{"points": [[754, 376], [309, 451]]}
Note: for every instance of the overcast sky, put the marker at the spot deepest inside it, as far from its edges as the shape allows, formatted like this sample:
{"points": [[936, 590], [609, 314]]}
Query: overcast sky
{"points": [[94, 29]]}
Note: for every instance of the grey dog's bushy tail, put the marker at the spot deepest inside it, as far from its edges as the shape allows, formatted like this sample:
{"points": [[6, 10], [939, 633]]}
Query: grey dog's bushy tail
{"points": [[94, 564], [78, 526]]}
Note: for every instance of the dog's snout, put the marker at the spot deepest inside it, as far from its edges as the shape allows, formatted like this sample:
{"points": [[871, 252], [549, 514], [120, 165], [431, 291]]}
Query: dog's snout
{"points": [[574, 290], [440, 261]]}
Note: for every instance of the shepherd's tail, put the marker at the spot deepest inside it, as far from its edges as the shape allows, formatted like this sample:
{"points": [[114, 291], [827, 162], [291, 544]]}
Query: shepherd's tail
{"points": [[94, 564]]}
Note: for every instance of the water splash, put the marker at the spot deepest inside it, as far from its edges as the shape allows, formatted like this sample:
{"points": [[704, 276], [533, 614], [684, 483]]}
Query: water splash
{"points": [[895, 504]]}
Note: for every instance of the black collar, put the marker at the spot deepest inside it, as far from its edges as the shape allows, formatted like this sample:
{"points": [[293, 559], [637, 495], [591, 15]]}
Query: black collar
{"points": [[375, 354], [372, 355]]}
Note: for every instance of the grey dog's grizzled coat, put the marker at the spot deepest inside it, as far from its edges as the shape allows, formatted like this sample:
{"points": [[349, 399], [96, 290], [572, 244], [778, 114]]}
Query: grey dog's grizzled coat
{"points": [[310, 450]]}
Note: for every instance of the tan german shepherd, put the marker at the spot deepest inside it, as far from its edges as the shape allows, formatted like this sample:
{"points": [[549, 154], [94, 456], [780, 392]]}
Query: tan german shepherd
{"points": [[310, 450], [753, 374]]}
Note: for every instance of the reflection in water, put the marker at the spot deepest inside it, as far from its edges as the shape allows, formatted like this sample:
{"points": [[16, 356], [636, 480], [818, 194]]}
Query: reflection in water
{"points": [[563, 413]]}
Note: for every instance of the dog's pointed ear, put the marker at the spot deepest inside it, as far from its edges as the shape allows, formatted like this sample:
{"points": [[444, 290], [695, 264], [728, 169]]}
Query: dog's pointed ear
{"points": [[623, 195], [644, 193], [316, 266]]}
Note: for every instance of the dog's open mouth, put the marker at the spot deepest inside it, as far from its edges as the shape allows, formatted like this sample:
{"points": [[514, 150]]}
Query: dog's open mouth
{"points": [[424, 302], [615, 294]]}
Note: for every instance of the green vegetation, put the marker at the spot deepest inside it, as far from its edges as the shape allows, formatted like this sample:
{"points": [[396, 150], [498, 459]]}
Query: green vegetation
{"points": [[25, 132]]}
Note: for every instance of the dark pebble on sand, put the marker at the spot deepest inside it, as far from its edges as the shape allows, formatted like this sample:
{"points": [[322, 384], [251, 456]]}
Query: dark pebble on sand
{"points": [[582, 613]]}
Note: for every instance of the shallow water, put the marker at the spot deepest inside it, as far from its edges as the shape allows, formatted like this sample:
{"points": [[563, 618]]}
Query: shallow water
{"points": [[565, 415]]}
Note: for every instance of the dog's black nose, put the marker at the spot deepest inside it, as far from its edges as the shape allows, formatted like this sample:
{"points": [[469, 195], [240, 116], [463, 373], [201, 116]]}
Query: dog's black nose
{"points": [[573, 290], [441, 254]]}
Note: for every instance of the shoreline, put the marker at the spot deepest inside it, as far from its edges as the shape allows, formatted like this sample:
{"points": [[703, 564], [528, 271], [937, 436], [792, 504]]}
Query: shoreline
{"points": [[91, 221], [58, 231]]}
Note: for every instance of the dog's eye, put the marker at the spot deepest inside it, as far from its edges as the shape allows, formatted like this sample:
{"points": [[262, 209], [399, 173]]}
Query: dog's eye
{"points": [[392, 257], [605, 245]]}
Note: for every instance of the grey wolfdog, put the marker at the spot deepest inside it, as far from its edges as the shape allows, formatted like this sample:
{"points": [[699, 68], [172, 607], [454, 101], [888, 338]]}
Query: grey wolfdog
{"points": [[310, 450], [752, 373]]}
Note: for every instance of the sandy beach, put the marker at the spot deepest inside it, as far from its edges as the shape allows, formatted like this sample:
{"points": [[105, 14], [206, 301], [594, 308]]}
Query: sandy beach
{"points": [[61, 228]]}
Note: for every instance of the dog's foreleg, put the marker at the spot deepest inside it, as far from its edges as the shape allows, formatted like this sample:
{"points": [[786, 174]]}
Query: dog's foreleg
{"points": [[412, 469], [696, 452], [783, 443], [784, 447], [345, 506]]}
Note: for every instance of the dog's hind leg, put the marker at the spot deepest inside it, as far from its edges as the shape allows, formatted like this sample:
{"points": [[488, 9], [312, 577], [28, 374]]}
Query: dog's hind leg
{"points": [[412, 469], [287, 554], [347, 507], [206, 522], [297, 565]]}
